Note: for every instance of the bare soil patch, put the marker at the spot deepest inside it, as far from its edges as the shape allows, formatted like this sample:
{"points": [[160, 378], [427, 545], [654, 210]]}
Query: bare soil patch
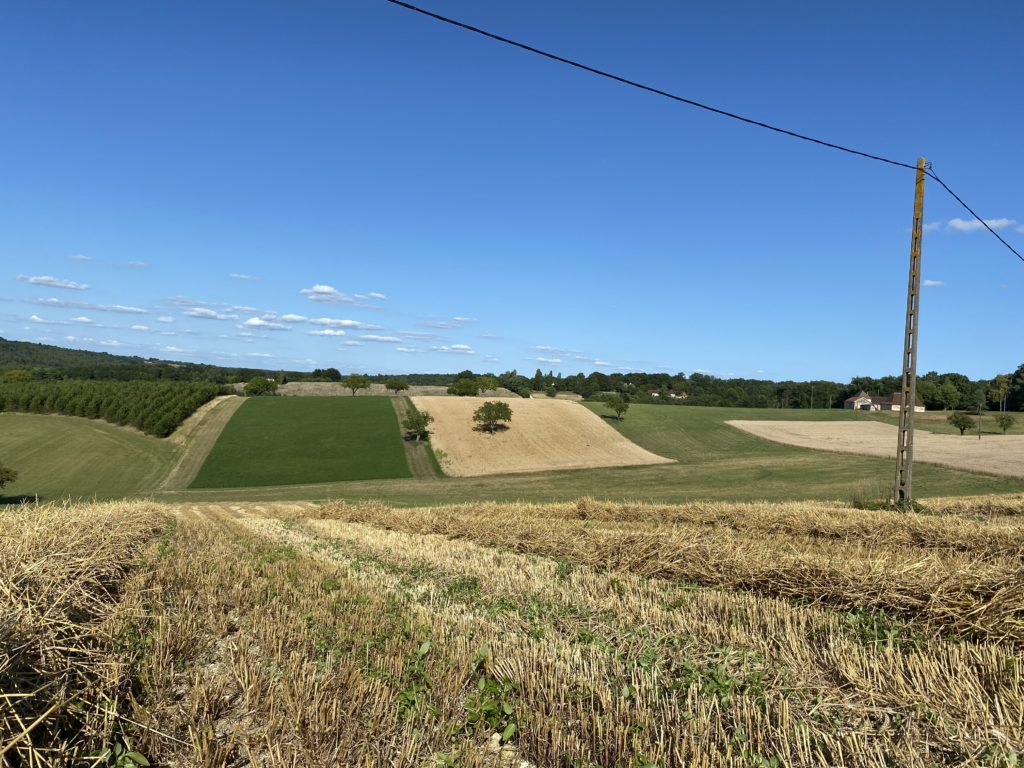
{"points": [[543, 435], [993, 455]]}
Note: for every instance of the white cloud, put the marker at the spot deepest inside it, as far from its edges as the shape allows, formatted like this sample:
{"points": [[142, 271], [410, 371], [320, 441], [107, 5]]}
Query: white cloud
{"points": [[1021, 229], [52, 282], [111, 343], [241, 276], [353, 343], [136, 265], [932, 283], [455, 349], [208, 314], [932, 226], [375, 337], [454, 322], [406, 349], [80, 257], [973, 225], [85, 305], [293, 318], [552, 360], [44, 321], [259, 354], [376, 295], [266, 325], [331, 322], [165, 319], [327, 332], [490, 359], [418, 336], [140, 327], [463, 319], [82, 319], [600, 363], [327, 293], [172, 349]]}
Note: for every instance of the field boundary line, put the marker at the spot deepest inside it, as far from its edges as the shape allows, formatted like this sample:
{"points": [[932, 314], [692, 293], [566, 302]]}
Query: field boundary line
{"points": [[199, 443], [418, 454]]}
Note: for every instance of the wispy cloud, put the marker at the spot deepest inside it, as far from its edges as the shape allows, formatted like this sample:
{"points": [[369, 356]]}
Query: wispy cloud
{"points": [[932, 283], [382, 339], [80, 257], [165, 319], [418, 336], [973, 225], [406, 349], [327, 293], [327, 332], [53, 282], [265, 325], [331, 322], [259, 354], [242, 276], [600, 363], [446, 323], [552, 360], [44, 321], [111, 343], [85, 305], [136, 265], [140, 327], [289, 318], [203, 313], [83, 320], [353, 343], [931, 226], [455, 349], [376, 295]]}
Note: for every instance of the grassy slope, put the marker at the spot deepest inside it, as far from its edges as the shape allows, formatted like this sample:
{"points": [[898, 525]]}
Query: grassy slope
{"points": [[716, 461], [62, 456], [279, 441]]}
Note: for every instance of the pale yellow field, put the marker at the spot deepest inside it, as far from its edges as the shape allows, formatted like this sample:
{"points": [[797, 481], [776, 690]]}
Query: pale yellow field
{"points": [[543, 435], [994, 454]]}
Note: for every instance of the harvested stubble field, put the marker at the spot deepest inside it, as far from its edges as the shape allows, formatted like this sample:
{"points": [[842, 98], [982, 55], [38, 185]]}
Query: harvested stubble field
{"points": [[588, 634], [996, 454], [548, 434]]}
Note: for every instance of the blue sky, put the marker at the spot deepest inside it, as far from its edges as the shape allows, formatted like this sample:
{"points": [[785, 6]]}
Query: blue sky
{"points": [[298, 185]]}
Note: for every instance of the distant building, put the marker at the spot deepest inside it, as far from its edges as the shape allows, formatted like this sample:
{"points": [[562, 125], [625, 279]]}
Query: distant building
{"points": [[862, 401]]}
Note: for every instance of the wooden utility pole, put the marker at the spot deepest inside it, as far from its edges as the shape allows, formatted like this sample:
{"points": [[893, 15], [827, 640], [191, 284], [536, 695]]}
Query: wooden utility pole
{"points": [[903, 492]]}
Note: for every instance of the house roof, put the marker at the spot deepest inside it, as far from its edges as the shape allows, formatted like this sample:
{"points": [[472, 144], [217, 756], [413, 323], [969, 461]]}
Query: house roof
{"points": [[860, 395]]}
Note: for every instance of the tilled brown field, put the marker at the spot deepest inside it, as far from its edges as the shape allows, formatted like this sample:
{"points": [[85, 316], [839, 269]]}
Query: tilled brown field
{"points": [[543, 435], [578, 634], [994, 455]]}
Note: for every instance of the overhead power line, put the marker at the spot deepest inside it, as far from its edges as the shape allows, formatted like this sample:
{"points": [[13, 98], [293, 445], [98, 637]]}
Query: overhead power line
{"points": [[700, 105]]}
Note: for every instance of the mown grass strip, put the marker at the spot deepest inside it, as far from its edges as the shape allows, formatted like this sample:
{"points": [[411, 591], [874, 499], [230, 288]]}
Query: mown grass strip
{"points": [[292, 440]]}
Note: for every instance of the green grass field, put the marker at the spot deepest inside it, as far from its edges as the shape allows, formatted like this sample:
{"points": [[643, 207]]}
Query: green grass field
{"points": [[936, 421], [283, 455], [715, 461], [298, 440], [64, 456]]}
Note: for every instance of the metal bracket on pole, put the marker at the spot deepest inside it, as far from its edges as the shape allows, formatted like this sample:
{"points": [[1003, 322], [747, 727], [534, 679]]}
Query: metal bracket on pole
{"points": [[903, 491]]}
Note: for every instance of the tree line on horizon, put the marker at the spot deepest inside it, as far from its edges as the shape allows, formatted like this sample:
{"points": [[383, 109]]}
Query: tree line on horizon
{"points": [[27, 361]]}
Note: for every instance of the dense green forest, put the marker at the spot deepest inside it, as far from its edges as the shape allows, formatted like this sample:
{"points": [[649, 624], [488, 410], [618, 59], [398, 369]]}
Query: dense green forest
{"points": [[156, 408], [41, 362]]}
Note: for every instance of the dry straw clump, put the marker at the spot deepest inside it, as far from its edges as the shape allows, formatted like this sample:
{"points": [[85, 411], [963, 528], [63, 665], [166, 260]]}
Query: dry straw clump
{"points": [[62, 660]]}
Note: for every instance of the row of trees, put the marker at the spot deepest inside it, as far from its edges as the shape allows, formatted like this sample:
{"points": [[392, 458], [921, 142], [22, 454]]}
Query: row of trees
{"points": [[156, 408]]}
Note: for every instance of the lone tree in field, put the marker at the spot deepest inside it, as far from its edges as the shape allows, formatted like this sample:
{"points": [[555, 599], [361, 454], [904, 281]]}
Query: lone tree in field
{"points": [[417, 424], [355, 382], [490, 413], [487, 383], [7, 475], [961, 421], [1004, 421], [617, 404], [397, 385], [260, 386]]}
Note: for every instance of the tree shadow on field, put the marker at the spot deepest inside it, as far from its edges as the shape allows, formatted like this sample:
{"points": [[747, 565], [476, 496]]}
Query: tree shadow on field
{"points": [[23, 498], [610, 417], [490, 431]]}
